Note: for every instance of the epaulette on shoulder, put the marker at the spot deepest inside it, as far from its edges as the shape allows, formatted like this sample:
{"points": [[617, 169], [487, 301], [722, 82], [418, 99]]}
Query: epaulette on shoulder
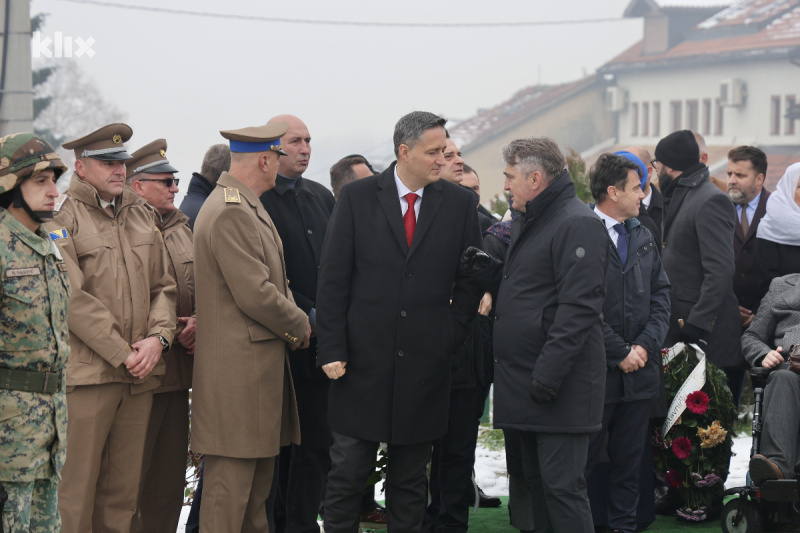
{"points": [[232, 195], [60, 202]]}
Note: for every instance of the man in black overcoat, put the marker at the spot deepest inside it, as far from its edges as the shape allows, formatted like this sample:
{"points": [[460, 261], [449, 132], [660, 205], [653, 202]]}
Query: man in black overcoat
{"points": [[300, 210], [387, 329], [548, 332], [697, 251]]}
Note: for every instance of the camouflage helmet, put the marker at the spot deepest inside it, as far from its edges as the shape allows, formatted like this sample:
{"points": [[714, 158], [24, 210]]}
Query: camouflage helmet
{"points": [[24, 154]]}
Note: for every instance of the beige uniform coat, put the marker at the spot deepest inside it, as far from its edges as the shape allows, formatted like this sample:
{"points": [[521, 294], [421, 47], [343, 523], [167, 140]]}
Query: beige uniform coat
{"points": [[243, 401], [178, 238], [121, 288]]}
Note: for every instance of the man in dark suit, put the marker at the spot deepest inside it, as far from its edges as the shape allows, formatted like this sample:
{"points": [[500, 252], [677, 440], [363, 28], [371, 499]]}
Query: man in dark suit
{"points": [[387, 328], [651, 211], [747, 166], [635, 317], [300, 209], [697, 242]]}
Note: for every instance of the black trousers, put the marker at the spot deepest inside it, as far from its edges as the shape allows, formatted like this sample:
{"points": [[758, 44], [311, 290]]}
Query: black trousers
{"points": [[302, 469], [352, 461], [626, 424], [554, 466], [451, 490]]}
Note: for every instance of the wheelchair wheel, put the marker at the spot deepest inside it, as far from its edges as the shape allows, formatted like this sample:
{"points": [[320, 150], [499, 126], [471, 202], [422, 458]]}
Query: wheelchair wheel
{"points": [[748, 522]]}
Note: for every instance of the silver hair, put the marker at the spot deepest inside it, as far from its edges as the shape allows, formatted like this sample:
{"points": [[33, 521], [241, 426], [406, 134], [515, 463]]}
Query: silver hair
{"points": [[409, 129], [535, 153], [216, 161]]}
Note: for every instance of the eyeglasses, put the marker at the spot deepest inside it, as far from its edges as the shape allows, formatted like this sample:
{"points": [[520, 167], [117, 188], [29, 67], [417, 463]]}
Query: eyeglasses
{"points": [[653, 162], [167, 181]]}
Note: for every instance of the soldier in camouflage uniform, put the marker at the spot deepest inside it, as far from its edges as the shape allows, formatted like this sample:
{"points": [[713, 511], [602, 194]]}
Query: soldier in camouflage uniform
{"points": [[34, 337]]}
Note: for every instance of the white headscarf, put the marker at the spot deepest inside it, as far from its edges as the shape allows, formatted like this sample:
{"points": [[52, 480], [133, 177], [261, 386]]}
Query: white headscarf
{"points": [[781, 223]]}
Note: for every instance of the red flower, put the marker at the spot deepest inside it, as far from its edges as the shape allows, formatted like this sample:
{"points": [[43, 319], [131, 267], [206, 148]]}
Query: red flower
{"points": [[682, 448], [697, 402], [674, 479]]}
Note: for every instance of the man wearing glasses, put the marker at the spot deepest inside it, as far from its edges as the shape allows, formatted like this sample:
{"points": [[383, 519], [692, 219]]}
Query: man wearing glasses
{"points": [[164, 467]]}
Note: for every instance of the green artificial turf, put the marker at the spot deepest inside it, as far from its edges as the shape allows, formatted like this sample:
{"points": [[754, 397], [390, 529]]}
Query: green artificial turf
{"points": [[496, 521]]}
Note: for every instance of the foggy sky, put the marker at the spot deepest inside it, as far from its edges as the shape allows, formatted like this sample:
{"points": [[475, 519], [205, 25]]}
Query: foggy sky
{"points": [[185, 78]]}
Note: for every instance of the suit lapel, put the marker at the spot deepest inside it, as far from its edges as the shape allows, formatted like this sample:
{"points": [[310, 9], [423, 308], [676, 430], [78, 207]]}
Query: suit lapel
{"points": [[761, 210], [390, 203], [431, 201]]}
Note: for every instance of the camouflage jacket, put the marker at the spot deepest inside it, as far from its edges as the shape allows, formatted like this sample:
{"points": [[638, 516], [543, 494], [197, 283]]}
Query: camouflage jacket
{"points": [[34, 335]]}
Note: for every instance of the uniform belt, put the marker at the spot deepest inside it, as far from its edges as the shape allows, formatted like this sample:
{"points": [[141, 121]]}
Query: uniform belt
{"points": [[30, 381]]}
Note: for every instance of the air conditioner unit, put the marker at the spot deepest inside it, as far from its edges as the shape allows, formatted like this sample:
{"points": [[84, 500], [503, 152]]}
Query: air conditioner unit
{"points": [[732, 93], [616, 98]]}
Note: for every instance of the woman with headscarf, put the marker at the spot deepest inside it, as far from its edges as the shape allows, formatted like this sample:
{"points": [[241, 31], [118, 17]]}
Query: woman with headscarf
{"points": [[777, 250]]}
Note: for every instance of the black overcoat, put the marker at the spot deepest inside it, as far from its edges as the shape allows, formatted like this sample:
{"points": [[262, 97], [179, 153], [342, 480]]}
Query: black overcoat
{"points": [[385, 309], [300, 214], [698, 258], [548, 319]]}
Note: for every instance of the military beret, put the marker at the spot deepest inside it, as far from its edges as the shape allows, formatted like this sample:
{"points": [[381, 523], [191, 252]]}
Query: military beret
{"points": [[24, 154], [104, 144], [257, 138], [151, 159]]}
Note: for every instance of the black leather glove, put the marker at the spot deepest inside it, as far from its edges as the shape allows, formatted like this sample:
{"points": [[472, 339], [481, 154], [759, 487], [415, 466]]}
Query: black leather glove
{"points": [[474, 260], [692, 334], [541, 393]]}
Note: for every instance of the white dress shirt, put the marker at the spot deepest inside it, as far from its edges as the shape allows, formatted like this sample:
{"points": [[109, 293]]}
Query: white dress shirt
{"points": [[402, 190]]}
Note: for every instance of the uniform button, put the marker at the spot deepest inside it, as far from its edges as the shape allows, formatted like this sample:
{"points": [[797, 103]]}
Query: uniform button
{"points": [[403, 314], [400, 353], [505, 276], [497, 317], [408, 274], [310, 232]]}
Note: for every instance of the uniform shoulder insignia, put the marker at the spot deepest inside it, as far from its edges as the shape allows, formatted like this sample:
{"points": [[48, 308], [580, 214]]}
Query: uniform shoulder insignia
{"points": [[232, 195], [59, 233], [59, 202]]}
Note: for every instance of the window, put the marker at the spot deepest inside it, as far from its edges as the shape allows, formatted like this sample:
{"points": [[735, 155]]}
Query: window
{"points": [[707, 116], [634, 120], [775, 115], [718, 124], [645, 119], [656, 119], [676, 108], [692, 115], [789, 127]]}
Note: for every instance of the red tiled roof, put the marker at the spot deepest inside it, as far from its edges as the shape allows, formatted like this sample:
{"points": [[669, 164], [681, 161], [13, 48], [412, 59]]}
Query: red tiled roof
{"points": [[520, 107], [782, 33]]}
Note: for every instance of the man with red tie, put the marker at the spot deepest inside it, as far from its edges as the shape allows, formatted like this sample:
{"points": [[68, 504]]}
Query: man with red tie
{"points": [[386, 327]]}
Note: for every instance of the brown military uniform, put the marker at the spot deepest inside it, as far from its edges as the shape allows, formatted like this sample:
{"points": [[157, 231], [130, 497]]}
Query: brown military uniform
{"points": [[121, 293], [164, 466], [243, 404]]}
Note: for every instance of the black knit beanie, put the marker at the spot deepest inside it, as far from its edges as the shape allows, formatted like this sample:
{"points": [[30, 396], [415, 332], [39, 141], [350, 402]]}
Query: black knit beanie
{"points": [[678, 150]]}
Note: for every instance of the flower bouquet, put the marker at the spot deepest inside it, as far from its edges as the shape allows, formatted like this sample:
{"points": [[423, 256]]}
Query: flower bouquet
{"points": [[692, 447]]}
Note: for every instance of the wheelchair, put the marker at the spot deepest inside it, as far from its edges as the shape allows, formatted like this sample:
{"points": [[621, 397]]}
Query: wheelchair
{"points": [[776, 502]]}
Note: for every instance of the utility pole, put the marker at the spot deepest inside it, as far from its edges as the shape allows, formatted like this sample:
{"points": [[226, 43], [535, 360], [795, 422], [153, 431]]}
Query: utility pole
{"points": [[16, 91]]}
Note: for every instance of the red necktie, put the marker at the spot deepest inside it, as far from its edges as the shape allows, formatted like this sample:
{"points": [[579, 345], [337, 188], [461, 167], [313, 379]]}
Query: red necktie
{"points": [[410, 218]]}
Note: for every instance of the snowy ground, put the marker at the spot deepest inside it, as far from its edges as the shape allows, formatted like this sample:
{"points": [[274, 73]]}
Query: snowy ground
{"points": [[490, 471]]}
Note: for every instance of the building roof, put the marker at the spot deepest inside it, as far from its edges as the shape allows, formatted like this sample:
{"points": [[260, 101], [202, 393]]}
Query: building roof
{"points": [[747, 29], [525, 104]]}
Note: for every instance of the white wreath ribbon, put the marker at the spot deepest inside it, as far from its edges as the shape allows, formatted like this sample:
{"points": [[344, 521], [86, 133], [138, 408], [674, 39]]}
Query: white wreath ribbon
{"points": [[694, 382]]}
